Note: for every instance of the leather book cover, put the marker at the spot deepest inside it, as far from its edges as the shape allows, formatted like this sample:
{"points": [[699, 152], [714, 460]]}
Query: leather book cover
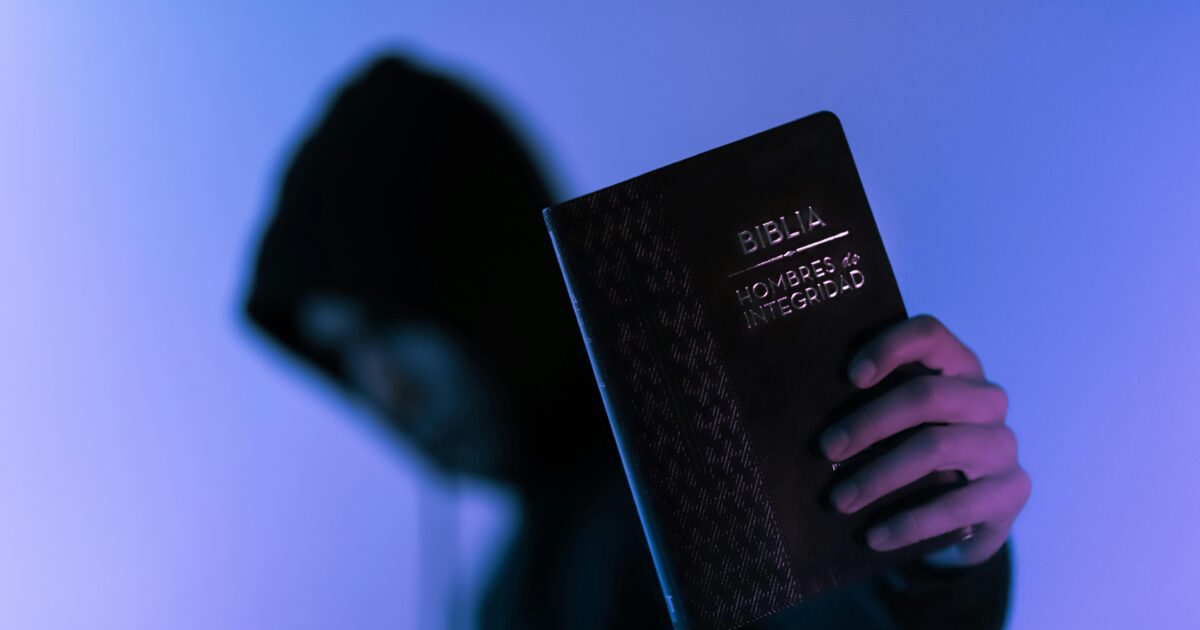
{"points": [[721, 299]]}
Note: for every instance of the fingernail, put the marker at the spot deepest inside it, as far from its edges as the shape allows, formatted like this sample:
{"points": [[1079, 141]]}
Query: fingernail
{"points": [[878, 537], [843, 495], [834, 442], [861, 372]]}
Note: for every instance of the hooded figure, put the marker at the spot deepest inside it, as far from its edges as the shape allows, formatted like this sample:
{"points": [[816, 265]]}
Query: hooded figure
{"points": [[407, 260]]}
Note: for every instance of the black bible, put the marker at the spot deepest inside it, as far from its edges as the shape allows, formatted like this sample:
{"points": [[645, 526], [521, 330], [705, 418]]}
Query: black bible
{"points": [[721, 299]]}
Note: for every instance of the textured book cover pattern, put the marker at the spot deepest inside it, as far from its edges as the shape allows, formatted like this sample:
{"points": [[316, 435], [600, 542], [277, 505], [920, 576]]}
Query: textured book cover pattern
{"points": [[720, 299]]}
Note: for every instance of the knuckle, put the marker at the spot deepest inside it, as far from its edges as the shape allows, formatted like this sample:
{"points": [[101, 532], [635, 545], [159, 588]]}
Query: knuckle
{"points": [[924, 391], [1008, 442], [867, 426], [883, 348], [958, 508], [1001, 398], [972, 356], [910, 526], [928, 325], [872, 483], [1024, 485], [935, 443]]}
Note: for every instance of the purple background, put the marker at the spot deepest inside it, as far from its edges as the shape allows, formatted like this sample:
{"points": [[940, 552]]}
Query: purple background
{"points": [[1034, 168]]}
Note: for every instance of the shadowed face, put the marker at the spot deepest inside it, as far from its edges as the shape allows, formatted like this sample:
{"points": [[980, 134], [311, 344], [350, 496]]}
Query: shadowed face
{"points": [[423, 378]]}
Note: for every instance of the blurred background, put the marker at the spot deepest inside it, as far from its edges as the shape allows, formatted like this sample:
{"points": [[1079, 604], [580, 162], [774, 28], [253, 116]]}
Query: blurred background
{"points": [[1034, 169]]}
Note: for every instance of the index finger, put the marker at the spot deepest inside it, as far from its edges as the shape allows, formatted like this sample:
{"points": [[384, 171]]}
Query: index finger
{"points": [[921, 339]]}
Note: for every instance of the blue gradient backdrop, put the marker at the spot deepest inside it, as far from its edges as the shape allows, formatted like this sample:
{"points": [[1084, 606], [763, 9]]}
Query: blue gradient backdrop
{"points": [[1034, 167]]}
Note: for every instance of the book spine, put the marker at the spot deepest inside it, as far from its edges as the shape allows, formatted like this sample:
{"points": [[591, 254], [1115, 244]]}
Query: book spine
{"points": [[625, 447]]}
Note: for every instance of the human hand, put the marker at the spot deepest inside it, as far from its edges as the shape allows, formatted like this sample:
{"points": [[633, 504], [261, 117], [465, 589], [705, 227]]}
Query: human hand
{"points": [[966, 432]]}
